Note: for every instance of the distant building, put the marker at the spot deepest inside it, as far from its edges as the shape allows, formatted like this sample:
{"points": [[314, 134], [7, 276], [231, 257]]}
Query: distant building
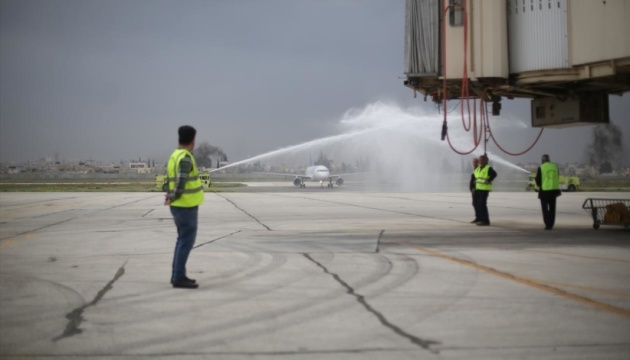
{"points": [[14, 170], [140, 167]]}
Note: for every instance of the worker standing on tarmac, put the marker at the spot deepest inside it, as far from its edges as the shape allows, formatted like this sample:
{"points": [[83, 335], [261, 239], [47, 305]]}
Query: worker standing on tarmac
{"points": [[472, 185], [185, 194], [484, 175], [548, 182]]}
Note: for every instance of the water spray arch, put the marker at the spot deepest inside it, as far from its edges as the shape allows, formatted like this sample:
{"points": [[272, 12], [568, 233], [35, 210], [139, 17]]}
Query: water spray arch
{"points": [[398, 144]]}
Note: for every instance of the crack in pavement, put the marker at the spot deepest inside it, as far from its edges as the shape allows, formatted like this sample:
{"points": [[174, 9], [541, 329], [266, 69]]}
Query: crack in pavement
{"points": [[34, 230], [75, 317], [425, 344], [369, 207], [219, 238], [378, 241], [246, 213], [63, 221]]}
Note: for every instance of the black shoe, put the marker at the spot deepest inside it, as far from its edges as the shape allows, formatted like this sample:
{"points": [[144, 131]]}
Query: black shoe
{"points": [[474, 221], [548, 228], [187, 279], [184, 284], [483, 223]]}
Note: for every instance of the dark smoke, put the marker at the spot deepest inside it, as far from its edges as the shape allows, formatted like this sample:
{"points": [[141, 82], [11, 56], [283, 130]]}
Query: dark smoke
{"points": [[204, 153], [606, 150]]}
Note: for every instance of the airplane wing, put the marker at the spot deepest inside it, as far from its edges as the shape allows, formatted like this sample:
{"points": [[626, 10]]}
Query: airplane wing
{"points": [[335, 176], [338, 178], [299, 176], [298, 180]]}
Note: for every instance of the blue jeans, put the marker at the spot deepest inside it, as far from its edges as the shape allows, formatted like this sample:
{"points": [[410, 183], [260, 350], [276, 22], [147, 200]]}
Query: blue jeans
{"points": [[474, 204], [186, 222]]}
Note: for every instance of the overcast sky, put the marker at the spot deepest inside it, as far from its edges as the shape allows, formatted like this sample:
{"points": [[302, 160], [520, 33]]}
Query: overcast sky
{"points": [[112, 80]]}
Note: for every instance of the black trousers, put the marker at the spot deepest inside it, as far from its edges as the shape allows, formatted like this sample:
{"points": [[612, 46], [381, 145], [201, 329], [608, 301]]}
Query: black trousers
{"points": [[548, 204], [474, 204], [481, 205]]}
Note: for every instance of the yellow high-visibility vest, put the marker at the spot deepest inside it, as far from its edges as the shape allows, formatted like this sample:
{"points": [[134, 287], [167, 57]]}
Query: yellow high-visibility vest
{"points": [[549, 176], [192, 194], [481, 175]]}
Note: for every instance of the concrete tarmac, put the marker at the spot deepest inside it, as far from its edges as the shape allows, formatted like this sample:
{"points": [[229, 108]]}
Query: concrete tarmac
{"points": [[329, 274]]}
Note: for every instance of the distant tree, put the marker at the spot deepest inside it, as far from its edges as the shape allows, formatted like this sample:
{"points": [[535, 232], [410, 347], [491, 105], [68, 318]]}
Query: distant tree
{"points": [[607, 146], [605, 168]]}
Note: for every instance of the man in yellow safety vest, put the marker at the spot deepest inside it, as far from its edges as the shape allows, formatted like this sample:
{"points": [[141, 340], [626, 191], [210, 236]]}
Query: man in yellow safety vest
{"points": [[548, 182], [185, 194], [484, 175], [472, 186]]}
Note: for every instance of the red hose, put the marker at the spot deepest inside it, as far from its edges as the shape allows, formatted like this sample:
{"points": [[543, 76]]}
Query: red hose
{"points": [[494, 140], [481, 128]]}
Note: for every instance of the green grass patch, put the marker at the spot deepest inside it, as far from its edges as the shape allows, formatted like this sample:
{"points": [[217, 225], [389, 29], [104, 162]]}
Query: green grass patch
{"points": [[94, 185], [603, 184]]}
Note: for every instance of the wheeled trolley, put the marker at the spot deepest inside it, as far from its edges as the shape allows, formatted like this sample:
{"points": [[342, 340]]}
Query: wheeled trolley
{"points": [[608, 212]]}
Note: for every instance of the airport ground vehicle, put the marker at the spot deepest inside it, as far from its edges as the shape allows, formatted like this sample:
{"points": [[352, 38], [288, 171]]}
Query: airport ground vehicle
{"points": [[161, 183], [567, 183]]}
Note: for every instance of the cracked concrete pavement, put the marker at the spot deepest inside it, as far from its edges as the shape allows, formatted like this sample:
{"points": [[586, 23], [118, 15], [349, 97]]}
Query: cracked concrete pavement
{"points": [[328, 274]]}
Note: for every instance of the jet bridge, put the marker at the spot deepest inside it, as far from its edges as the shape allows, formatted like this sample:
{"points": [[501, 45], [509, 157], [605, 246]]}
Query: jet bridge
{"points": [[567, 56]]}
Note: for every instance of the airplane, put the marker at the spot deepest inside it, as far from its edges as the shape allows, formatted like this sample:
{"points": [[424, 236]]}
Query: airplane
{"points": [[315, 173], [318, 173]]}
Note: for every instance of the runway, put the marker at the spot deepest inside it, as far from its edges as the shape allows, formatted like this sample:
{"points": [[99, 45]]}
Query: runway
{"points": [[317, 274]]}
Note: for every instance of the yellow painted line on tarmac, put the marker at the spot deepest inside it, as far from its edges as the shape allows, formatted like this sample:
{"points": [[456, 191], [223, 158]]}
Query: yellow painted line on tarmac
{"points": [[5, 243], [12, 238], [6, 235], [578, 256], [529, 282], [586, 288]]}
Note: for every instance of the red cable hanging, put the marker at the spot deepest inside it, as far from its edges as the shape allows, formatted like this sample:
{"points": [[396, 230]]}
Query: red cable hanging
{"points": [[494, 140], [464, 93], [484, 128]]}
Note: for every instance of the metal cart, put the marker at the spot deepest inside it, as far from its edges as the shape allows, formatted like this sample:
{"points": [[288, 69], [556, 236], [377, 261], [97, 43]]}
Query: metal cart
{"points": [[608, 212]]}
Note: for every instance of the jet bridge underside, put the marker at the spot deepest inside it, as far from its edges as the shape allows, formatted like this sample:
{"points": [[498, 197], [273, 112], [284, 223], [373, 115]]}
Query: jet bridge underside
{"points": [[560, 98], [611, 78], [568, 56]]}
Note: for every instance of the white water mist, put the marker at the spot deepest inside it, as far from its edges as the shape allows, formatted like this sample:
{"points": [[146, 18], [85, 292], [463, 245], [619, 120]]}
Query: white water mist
{"points": [[401, 146]]}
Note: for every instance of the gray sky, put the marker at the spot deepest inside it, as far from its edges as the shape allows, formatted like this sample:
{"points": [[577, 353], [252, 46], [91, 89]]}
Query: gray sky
{"points": [[112, 80]]}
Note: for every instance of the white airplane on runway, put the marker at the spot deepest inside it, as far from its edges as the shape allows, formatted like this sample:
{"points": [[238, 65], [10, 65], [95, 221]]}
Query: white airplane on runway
{"points": [[318, 173]]}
